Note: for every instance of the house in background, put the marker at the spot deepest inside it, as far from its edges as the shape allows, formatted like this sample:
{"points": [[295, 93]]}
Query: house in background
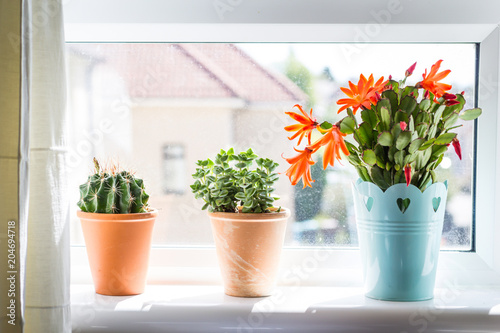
{"points": [[161, 107]]}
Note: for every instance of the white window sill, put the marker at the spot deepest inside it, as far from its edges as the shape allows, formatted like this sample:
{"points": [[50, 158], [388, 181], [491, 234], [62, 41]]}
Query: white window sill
{"points": [[183, 308]]}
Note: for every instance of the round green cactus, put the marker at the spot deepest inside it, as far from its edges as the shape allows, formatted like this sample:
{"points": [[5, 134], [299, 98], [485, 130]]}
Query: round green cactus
{"points": [[112, 191]]}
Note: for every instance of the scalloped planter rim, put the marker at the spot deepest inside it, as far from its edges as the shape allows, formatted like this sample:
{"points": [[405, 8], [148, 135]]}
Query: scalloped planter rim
{"points": [[399, 233]]}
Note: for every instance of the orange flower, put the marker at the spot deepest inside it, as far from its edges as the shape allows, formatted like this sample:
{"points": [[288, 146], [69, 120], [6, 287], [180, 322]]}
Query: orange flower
{"points": [[300, 167], [362, 95], [333, 139], [430, 82], [306, 126]]}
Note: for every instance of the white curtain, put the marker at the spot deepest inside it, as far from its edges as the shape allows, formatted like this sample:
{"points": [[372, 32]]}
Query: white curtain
{"points": [[47, 303], [32, 110]]}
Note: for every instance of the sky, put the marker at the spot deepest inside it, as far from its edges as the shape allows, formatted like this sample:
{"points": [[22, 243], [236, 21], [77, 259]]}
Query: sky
{"points": [[347, 61]]}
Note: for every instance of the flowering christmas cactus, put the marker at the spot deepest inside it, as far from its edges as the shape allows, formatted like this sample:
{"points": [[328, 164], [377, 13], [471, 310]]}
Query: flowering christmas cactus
{"points": [[400, 137]]}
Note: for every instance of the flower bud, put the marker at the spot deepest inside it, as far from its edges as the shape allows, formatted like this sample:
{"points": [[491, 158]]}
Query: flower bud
{"points": [[451, 99], [408, 174], [458, 149], [448, 96], [410, 70]]}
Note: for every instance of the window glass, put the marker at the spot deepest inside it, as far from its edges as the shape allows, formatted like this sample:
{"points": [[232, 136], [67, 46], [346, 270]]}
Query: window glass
{"points": [[158, 108], [174, 169]]}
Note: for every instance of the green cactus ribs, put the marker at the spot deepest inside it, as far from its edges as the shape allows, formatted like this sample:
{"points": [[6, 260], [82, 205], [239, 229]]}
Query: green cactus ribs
{"points": [[112, 191]]}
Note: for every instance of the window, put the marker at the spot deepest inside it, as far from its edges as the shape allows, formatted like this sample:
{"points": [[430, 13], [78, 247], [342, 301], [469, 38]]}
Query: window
{"points": [[211, 96], [487, 91], [174, 169]]}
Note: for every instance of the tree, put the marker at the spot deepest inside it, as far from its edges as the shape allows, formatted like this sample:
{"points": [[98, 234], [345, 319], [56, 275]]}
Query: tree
{"points": [[301, 76]]}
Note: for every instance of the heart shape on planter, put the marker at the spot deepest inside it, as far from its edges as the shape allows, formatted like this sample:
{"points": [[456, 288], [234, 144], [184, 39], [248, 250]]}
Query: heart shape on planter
{"points": [[368, 203], [435, 203], [403, 204]]}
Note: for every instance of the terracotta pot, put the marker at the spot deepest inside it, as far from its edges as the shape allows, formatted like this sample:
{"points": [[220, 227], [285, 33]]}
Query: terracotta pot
{"points": [[248, 249], [118, 248]]}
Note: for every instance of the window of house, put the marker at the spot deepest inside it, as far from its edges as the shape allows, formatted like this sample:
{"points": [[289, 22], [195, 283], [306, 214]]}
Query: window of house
{"points": [[174, 169], [127, 99]]}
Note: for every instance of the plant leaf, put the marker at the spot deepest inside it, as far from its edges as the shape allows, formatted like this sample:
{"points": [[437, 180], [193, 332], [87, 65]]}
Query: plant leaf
{"points": [[385, 118], [451, 120], [403, 140], [396, 130], [415, 145], [410, 158], [399, 157], [425, 104], [393, 99], [354, 159], [423, 117], [363, 173], [439, 112], [422, 129], [326, 125], [422, 158], [369, 157], [408, 104], [351, 114], [408, 90], [377, 175], [400, 116], [393, 150], [369, 117], [471, 114], [437, 151], [385, 139], [445, 138], [347, 125], [365, 132]]}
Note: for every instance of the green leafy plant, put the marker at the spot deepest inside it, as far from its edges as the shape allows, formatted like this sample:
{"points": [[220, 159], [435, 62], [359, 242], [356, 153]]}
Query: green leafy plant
{"points": [[400, 137], [113, 191], [231, 182], [403, 134]]}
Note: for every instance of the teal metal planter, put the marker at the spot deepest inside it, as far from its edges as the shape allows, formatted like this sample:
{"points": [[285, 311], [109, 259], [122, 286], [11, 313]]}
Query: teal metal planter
{"points": [[399, 234]]}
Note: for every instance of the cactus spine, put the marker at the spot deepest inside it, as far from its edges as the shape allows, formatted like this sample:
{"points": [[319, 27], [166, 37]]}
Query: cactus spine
{"points": [[112, 191]]}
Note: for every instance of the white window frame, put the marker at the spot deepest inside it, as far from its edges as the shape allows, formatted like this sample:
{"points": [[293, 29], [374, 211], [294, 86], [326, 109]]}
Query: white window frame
{"points": [[315, 266]]}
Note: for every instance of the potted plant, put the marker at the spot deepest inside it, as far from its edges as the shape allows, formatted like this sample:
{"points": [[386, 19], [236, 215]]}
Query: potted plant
{"points": [[248, 230], [117, 225], [400, 139]]}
